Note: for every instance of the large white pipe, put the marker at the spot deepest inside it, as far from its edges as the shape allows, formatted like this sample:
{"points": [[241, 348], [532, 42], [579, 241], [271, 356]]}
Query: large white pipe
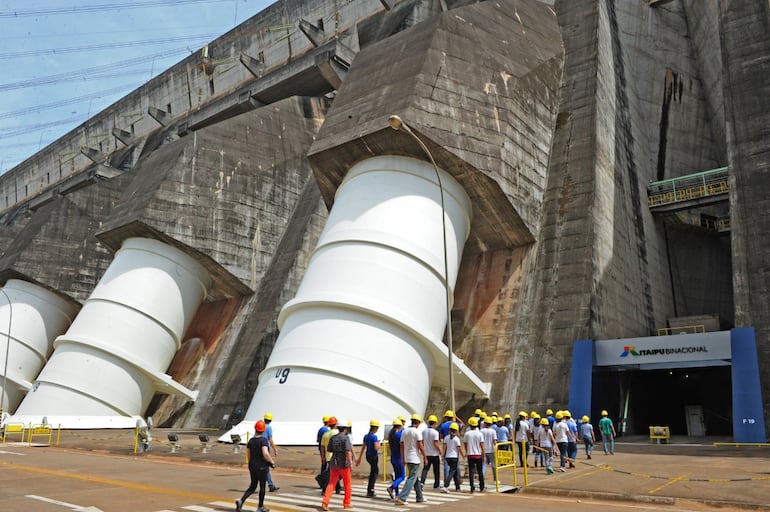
{"points": [[108, 365], [364, 332], [28, 325]]}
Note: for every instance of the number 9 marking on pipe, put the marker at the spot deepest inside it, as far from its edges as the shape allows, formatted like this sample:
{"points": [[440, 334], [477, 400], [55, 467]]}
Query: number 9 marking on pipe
{"points": [[282, 374]]}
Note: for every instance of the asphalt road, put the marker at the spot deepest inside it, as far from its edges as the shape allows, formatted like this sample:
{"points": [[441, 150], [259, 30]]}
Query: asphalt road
{"points": [[49, 479]]}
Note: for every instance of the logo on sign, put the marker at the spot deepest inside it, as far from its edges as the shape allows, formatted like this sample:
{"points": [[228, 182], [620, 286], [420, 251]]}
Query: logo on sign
{"points": [[630, 349]]}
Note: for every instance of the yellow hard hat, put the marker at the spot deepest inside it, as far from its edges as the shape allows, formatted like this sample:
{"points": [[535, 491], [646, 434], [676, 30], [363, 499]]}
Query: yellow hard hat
{"points": [[508, 416], [488, 420], [449, 413], [544, 421], [397, 422], [268, 416], [454, 426], [585, 419], [403, 420], [473, 421], [533, 413], [605, 413], [494, 413], [477, 412], [559, 415], [416, 417], [374, 423], [567, 414], [549, 412], [325, 418], [536, 416], [523, 414], [349, 424], [432, 418]]}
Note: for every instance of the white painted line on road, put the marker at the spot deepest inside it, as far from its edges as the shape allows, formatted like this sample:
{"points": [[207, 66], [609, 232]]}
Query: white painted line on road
{"points": [[198, 508], [53, 502], [70, 506], [13, 453]]}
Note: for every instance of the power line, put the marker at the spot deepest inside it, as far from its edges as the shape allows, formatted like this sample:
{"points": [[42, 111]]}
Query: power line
{"points": [[90, 73], [56, 104], [105, 46], [33, 128], [102, 7]]}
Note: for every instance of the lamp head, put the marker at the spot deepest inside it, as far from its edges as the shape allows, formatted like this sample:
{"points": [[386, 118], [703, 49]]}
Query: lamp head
{"points": [[395, 122]]}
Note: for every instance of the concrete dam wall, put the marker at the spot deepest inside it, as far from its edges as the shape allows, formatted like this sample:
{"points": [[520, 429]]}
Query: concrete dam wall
{"points": [[278, 221]]}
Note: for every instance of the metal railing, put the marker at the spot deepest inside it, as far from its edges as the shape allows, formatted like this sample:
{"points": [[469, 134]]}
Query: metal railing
{"points": [[685, 188]]}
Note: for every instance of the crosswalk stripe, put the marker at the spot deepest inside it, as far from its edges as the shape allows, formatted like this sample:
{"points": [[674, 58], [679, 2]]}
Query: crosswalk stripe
{"points": [[370, 504], [432, 493], [311, 501], [230, 505]]}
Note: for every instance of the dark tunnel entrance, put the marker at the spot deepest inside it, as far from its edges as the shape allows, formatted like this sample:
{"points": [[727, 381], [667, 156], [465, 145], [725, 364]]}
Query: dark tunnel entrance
{"points": [[666, 397]]}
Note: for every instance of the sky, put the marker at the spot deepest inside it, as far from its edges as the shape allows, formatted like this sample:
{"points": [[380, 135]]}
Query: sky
{"points": [[61, 61]]}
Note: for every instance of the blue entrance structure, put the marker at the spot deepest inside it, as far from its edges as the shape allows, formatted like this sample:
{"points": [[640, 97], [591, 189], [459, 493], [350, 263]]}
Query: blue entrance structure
{"points": [[690, 350]]}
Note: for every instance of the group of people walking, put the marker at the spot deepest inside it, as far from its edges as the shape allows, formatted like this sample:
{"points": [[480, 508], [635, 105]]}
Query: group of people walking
{"points": [[431, 445], [558, 435]]}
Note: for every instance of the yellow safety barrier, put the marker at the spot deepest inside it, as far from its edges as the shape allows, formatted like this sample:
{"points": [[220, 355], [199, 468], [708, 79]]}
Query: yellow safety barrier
{"points": [[504, 459], [385, 459], [13, 429], [44, 431], [658, 433]]}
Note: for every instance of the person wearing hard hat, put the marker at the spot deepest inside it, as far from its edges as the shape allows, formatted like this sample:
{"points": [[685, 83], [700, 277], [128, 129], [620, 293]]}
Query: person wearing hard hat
{"points": [[546, 442], [521, 437], [551, 418], [474, 451], [323, 477], [587, 435], [561, 435], [572, 448], [535, 426], [394, 442], [443, 432], [413, 454], [490, 440], [452, 449], [319, 435], [260, 462], [269, 435], [607, 430], [340, 464], [432, 452], [371, 446], [503, 434]]}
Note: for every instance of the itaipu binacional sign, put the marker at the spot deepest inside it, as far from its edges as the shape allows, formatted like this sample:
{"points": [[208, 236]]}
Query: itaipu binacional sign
{"points": [[707, 346]]}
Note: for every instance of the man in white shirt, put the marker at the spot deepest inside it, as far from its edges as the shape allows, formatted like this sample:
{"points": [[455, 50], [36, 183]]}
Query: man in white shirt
{"points": [[432, 452], [413, 454], [474, 450], [561, 435], [490, 440]]}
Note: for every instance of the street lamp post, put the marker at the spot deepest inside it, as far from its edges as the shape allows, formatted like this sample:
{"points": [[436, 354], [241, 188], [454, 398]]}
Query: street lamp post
{"points": [[398, 124], [7, 351]]}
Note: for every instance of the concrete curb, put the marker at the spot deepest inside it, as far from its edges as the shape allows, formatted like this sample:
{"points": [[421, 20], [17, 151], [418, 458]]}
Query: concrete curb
{"points": [[655, 500]]}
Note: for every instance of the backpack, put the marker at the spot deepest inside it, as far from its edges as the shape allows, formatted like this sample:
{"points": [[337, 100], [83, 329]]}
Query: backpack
{"points": [[336, 446]]}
